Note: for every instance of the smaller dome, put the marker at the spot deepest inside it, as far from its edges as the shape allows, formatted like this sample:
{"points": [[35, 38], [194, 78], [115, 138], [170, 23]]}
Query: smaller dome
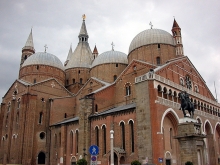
{"points": [[110, 57], [43, 58], [151, 36]]}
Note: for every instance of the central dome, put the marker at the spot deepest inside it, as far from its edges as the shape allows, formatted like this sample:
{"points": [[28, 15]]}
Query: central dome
{"points": [[43, 58], [110, 57], [151, 36]]}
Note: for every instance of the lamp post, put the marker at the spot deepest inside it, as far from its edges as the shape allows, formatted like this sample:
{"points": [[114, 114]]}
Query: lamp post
{"points": [[112, 154]]}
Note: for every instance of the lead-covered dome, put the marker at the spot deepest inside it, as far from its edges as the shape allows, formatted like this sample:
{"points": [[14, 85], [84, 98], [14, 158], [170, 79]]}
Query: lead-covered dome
{"points": [[110, 57], [43, 58], [151, 36]]}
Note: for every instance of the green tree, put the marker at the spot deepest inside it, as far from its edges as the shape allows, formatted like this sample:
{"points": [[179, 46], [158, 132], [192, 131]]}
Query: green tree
{"points": [[82, 161], [135, 162], [188, 163]]}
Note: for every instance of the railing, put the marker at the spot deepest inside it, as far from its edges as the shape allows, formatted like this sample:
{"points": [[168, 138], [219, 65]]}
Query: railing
{"points": [[175, 105], [152, 76]]}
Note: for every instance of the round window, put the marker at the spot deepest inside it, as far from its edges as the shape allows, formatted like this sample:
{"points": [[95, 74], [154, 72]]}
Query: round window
{"points": [[42, 135]]}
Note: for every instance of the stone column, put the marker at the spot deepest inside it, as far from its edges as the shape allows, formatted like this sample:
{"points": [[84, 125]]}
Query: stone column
{"points": [[112, 153], [190, 140]]}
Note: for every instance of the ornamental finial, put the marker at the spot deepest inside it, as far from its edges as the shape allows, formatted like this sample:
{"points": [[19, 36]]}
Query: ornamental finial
{"points": [[83, 17]]}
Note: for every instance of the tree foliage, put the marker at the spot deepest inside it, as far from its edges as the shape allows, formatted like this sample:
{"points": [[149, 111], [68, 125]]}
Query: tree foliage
{"points": [[82, 161], [135, 162]]}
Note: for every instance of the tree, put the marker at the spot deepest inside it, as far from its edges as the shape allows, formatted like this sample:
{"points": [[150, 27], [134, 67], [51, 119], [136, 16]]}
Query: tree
{"points": [[82, 161], [188, 163], [135, 162]]}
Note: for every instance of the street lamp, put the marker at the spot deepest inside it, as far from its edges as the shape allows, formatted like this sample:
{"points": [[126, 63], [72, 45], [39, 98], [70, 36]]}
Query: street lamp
{"points": [[112, 155]]}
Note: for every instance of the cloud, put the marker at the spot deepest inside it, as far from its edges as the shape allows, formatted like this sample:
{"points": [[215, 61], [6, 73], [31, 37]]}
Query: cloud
{"points": [[57, 24]]}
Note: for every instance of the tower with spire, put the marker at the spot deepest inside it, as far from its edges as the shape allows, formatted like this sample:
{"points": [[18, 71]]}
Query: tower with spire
{"points": [[78, 63], [28, 48], [95, 52], [176, 30]]}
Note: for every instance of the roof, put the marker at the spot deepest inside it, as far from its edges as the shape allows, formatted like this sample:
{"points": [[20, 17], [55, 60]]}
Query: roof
{"points": [[151, 36], [175, 24], [43, 58], [29, 43], [66, 121], [83, 30], [81, 57], [110, 57], [116, 109]]}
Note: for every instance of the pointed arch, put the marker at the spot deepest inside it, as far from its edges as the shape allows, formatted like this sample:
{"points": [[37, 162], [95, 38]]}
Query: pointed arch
{"points": [[209, 124], [217, 128], [41, 158], [198, 118], [174, 118]]}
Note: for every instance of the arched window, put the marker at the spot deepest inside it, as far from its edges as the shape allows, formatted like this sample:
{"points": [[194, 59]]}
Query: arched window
{"points": [[188, 82], [65, 115], [9, 107], [80, 80], [122, 125], [128, 89], [67, 82], [171, 137], [115, 77], [131, 124], [35, 80], [17, 117], [55, 140], [6, 121], [158, 60], [96, 108], [60, 139], [97, 135], [74, 81], [159, 90], [40, 117], [77, 141], [41, 158], [71, 142], [104, 138], [19, 103]]}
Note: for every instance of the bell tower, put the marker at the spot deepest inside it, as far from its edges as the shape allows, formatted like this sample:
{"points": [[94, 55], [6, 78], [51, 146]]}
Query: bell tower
{"points": [[176, 30], [28, 49]]}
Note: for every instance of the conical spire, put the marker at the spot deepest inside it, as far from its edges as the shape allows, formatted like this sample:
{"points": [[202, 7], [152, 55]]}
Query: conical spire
{"points": [[70, 52], [83, 31], [95, 51], [29, 42], [175, 24], [69, 55]]}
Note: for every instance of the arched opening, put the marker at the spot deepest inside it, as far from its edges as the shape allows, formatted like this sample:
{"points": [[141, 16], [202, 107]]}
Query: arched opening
{"points": [[127, 89], [158, 60], [40, 118], [122, 125], [104, 139], [115, 159], [165, 92], [97, 135], [159, 90], [131, 124], [71, 142], [41, 158], [115, 77]]}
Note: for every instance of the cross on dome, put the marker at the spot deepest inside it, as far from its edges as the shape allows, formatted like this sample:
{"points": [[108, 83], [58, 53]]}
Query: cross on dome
{"points": [[151, 25], [45, 46], [112, 46]]}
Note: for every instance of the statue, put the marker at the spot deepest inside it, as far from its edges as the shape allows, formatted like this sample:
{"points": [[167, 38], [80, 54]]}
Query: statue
{"points": [[186, 104]]}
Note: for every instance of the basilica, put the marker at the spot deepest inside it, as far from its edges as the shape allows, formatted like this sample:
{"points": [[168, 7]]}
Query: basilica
{"points": [[53, 112]]}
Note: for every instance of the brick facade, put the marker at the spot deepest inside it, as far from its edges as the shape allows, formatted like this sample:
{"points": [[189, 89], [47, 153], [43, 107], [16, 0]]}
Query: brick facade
{"points": [[57, 118]]}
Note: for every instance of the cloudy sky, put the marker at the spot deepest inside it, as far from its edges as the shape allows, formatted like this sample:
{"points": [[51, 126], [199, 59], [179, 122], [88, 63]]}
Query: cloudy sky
{"points": [[57, 24]]}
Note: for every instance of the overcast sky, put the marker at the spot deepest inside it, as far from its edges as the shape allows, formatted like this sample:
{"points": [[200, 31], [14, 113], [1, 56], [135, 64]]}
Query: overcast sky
{"points": [[57, 24]]}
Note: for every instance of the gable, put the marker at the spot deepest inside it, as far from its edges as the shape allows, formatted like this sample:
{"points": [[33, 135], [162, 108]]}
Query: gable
{"points": [[91, 86], [183, 72], [19, 87], [50, 87]]}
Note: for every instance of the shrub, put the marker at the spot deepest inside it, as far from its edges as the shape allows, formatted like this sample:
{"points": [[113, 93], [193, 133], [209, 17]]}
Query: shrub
{"points": [[135, 162], [188, 163], [82, 161]]}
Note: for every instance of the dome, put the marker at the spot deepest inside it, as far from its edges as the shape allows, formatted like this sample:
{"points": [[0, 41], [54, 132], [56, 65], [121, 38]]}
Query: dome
{"points": [[110, 57], [43, 58], [151, 36]]}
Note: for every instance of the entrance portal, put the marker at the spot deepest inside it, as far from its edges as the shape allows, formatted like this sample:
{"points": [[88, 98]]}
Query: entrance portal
{"points": [[41, 158]]}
